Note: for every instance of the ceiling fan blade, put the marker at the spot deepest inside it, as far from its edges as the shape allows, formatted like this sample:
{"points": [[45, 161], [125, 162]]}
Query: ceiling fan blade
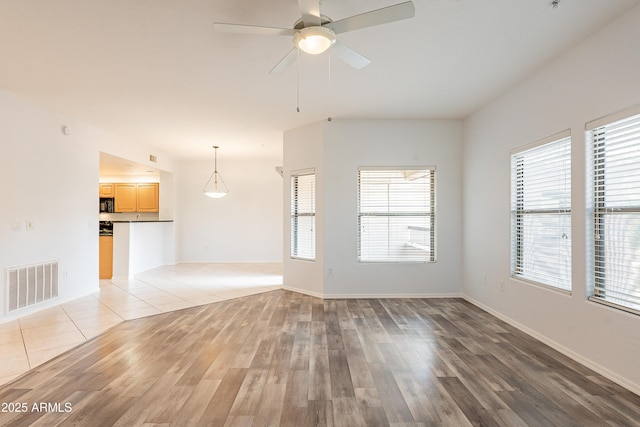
{"points": [[285, 62], [310, 10], [350, 56], [375, 17], [251, 29]]}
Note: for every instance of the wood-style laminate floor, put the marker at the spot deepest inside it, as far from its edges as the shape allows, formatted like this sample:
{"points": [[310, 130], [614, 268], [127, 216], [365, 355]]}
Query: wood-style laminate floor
{"points": [[282, 358]]}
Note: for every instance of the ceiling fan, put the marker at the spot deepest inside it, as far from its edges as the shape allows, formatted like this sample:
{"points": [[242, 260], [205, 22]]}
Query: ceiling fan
{"points": [[315, 33]]}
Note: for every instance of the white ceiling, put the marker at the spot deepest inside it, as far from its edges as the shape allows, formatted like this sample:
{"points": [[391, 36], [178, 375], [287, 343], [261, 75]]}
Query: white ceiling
{"points": [[154, 71]]}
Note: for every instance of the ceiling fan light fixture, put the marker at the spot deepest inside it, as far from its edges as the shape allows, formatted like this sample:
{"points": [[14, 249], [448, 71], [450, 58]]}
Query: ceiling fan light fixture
{"points": [[314, 40]]}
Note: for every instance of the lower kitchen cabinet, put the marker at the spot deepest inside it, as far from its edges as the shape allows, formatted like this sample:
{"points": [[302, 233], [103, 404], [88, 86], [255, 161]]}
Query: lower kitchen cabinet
{"points": [[106, 257]]}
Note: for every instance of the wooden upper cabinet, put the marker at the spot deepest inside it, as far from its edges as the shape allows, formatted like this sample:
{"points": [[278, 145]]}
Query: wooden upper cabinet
{"points": [[126, 198], [148, 197], [135, 197], [107, 190]]}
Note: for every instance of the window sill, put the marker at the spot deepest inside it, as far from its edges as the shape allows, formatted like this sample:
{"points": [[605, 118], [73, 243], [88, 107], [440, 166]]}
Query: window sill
{"points": [[541, 285], [610, 304]]}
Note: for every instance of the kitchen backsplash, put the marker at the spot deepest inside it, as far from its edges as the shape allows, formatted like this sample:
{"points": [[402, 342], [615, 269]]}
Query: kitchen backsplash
{"points": [[129, 216]]}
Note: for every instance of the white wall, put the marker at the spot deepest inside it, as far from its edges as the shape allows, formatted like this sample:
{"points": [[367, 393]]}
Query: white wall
{"points": [[353, 143], [596, 78], [303, 149], [244, 226], [51, 180], [336, 149]]}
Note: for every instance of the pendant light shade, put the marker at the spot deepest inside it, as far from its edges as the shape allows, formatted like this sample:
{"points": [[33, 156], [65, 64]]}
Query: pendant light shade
{"points": [[215, 186]]}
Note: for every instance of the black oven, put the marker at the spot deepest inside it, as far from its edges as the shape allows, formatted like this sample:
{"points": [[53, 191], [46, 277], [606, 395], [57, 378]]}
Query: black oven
{"points": [[106, 228]]}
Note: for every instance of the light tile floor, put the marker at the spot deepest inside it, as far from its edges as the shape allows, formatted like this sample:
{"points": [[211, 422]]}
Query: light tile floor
{"points": [[32, 340]]}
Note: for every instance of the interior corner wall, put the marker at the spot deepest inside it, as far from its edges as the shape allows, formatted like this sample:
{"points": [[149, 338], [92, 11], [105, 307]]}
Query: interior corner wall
{"points": [[303, 149], [244, 226], [349, 144], [595, 78], [336, 149]]}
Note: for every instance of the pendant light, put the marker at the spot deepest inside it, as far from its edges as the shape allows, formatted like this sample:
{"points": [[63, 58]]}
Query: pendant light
{"points": [[218, 188]]}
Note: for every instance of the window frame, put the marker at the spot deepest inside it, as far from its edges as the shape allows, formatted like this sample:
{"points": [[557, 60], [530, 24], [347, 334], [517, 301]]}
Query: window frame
{"points": [[519, 213], [296, 214], [430, 212], [598, 210]]}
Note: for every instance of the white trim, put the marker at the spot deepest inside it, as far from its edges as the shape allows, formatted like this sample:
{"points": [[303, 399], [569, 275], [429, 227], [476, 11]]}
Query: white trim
{"points": [[389, 296], [611, 118], [633, 387], [606, 303], [302, 172], [541, 285], [537, 143], [397, 168], [324, 296], [303, 291]]}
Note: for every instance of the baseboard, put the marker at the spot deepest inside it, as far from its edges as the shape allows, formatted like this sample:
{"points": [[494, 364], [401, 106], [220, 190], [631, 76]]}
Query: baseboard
{"points": [[388, 296], [368, 296], [605, 372], [303, 291]]}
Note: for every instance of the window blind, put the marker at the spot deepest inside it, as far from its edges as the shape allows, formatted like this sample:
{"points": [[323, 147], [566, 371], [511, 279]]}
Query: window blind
{"points": [[616, 212], [303, 216], [541, 213], [396, 215]]}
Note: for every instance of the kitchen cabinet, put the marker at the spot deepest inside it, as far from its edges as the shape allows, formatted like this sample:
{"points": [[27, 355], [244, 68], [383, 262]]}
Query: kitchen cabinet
{"points": [[126, 198], [106, 257], [148, 197], [107, 190], [131, 197]]}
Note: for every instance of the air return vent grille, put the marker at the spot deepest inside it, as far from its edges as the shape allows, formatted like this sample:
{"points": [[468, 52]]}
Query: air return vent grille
{"points": [[31, 284]]}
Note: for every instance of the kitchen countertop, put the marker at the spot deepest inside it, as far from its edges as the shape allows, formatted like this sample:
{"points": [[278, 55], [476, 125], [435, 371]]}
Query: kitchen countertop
{"points": [[140, 220]]}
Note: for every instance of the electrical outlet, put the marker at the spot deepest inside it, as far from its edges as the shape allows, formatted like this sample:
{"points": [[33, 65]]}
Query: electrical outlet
{"points": [[502, 288], [28, 225], [484, 278], [330, 272], [16, 226]]}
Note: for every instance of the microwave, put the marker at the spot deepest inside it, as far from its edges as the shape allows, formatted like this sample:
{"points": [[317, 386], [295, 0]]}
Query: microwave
{"points": [[106, 205]]}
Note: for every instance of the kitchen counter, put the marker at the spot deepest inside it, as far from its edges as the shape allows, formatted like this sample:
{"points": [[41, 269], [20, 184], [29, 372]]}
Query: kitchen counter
{"points": [[140, 245], [141, 220]]}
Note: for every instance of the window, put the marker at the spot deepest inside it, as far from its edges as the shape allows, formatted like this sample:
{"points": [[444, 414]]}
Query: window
{"points": [[615, 201], [541, 212], [396, 215], [303, 216]]}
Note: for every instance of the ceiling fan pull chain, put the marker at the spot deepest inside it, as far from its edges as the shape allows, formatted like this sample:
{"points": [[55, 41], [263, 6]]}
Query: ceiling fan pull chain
{"points": [[298, 82], [330, 100]]}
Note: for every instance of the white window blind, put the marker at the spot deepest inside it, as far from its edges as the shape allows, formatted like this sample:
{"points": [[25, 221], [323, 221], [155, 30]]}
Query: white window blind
{"points": [[396, 215], [615, 246], [303, 216], [541, 213]]}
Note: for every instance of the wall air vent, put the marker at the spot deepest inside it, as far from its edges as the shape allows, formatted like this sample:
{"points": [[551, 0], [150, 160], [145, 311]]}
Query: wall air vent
{"points": [[29, 285]]}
